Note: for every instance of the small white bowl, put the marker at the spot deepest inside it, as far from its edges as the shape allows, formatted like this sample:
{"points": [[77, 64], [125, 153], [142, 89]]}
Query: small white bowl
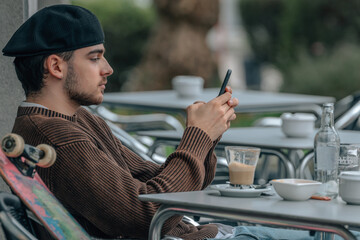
{"points": [[349, 186], [188, 86], [300, 125], [295, 189]]}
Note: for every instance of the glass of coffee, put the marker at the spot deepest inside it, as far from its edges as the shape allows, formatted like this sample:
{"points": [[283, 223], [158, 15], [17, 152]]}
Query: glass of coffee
{"points": [[242, 163]]}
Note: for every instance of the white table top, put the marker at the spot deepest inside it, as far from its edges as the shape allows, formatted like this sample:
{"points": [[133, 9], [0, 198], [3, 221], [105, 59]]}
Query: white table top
{"points": [[250, 101], [329, 212], [263, 137]]}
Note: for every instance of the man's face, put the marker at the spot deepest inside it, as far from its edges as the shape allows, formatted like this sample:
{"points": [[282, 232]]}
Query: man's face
{"points": [[87, 74]]}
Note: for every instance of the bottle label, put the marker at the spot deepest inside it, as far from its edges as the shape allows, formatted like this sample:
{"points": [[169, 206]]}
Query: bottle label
{"points": [[327, 157], [349, 157]]}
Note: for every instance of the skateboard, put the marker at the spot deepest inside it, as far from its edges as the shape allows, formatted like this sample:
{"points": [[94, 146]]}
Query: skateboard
{"points": [[17, 167]]}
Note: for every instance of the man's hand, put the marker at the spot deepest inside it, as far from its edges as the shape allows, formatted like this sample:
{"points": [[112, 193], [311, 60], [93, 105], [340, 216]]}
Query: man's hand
{"points": [[213, 117]]}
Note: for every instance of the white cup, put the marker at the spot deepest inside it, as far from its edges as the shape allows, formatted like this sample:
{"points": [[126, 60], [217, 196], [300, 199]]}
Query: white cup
{"points": [[300, 125], [349, 186], [188, 86]]}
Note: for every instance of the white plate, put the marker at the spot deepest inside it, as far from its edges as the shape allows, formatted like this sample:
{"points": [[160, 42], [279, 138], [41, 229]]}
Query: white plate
{"points": [[229, 191]]}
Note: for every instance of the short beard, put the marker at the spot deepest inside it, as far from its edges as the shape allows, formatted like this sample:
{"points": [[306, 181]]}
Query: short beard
{"points": [[72, 89]]}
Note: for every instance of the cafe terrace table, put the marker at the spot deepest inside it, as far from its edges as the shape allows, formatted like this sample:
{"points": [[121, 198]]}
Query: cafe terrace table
{"points": [[271, 140], [333, 216], [249, 101]]}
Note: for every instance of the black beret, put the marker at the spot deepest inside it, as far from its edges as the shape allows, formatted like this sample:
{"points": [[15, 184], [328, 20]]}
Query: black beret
{"points": [[54, 29]]}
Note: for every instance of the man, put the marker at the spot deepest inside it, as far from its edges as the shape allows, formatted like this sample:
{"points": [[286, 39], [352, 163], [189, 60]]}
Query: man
{"points": [[59, 59]]}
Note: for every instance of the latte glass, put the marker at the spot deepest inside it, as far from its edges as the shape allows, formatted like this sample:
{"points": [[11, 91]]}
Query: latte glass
{"points": [[242, 163]]}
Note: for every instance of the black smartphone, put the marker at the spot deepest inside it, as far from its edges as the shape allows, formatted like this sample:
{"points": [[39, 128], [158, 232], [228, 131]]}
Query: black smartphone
{"points": [[225, 82]]}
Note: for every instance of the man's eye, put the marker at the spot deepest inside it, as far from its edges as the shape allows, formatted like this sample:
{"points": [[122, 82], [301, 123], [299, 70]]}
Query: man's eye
{"points": [[95, 59]]}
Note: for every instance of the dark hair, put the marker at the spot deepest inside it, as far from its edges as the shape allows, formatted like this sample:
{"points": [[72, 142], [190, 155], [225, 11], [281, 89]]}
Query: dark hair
{"points": [[31, 72]]}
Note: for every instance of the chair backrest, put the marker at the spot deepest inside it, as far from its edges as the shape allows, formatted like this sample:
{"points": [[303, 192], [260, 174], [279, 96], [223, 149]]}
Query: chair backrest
{"points": [[349, 120], [143, 122], [347, 112], [344, 104], [14, 220]]}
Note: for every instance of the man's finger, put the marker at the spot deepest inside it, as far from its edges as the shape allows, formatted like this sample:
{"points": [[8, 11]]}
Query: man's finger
{"points": [[233, 102], [233, 117], [230, 114], [228, 89], [223, 98]]}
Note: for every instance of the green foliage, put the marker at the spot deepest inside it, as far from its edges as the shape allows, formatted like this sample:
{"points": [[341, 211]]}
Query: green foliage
{"points": [[127, 27], [261, 21], [304, 36], [337, 73]]}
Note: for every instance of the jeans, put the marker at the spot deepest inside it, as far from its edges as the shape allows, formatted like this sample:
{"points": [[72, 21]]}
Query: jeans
{"points": [[267, 233]]}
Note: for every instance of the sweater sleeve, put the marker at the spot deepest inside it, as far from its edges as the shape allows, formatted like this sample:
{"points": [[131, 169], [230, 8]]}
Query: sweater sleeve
{"points": [[104, 190], [145, 170], [139, 169], [210, 166]]}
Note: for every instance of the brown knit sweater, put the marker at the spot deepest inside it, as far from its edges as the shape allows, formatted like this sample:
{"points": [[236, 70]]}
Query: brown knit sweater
{"points": [[99, 180]]}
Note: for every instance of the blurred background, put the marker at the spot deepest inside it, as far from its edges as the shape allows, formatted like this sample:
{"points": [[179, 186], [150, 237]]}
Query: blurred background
{"points": [[301, 46]]}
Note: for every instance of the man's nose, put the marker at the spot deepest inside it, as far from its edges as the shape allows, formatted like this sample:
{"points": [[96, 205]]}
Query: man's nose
{"points": [[107, 69]]}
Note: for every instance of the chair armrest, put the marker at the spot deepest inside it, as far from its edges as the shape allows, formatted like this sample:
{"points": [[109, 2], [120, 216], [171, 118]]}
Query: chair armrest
{"points": [[13, 229], [191, 221], [349, 117], [140, 122]]}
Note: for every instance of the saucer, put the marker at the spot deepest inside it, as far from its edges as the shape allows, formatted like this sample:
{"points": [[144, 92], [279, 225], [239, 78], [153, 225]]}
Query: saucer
{"points": [[229, 191]]}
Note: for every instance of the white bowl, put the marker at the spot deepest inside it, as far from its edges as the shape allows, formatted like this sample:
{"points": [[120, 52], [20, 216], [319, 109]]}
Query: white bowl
{"points": [[188, 86], [349, 186], [295, 189], [299, 125]]}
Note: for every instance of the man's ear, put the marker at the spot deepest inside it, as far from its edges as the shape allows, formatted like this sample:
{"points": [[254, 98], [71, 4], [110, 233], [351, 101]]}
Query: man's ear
{"points": [[55, 66]]}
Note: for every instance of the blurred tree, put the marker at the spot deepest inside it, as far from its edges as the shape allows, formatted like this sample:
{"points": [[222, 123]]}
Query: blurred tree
{"points": [[127, 27], [178, 45], [261, 22], [336, 74], [305, 36]]}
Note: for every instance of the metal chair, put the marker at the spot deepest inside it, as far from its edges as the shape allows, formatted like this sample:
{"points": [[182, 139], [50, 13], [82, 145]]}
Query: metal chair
{"points": [[143, 122], [344, 104], [350, 119], [14, 219], [17, 225]]}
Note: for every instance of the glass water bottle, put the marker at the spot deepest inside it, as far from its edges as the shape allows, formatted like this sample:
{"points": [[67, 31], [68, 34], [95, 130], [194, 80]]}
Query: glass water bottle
{"points": [[326, 149]]}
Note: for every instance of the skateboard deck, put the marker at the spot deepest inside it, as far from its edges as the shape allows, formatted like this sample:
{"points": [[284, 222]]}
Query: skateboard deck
{"points": [[28, 186]]}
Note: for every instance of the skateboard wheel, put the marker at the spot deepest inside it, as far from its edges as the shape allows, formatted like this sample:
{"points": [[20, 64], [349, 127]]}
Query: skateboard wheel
{"points": [[49, 156], [12, 145]]}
